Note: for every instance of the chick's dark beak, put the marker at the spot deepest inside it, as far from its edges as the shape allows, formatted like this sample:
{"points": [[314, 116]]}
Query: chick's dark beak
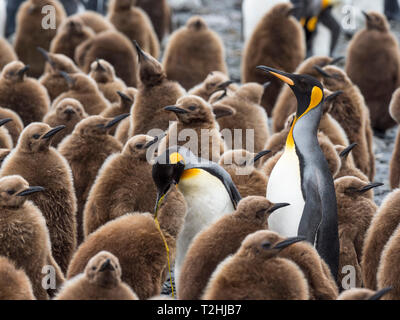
{"points": [[141, 54], [4, 121], [30, 190], [117, 119], [277, 206], [23, 71], [288, 242], [176, 109], [370, 186], [106, 266], [53, 131]]}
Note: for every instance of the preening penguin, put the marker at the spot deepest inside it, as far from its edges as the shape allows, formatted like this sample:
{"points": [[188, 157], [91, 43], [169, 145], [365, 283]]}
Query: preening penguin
{"points": [[42, 165], [363, 294], [101, 280], [216, 242], [208, 190], [256, 272], [302, 177], [7, 53]]}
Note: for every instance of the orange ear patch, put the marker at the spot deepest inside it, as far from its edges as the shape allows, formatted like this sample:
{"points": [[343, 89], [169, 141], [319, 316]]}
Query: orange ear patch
{"points": [[190, 173], [175, 158]]}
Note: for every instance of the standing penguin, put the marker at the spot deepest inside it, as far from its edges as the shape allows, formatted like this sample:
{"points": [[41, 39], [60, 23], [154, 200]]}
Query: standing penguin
{"points": [[375, 47], [302, 175], [278, 40], [24, 95], [256, 272], [86, 149], [42, 165], [31, 32], [94, 20], [135, 24], [394, 171], [192, 52], [159, 13], [208, 190], [7, 53]]}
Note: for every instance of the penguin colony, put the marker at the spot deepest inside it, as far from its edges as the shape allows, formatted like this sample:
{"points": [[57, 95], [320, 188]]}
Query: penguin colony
{"points": [[96, 183]]}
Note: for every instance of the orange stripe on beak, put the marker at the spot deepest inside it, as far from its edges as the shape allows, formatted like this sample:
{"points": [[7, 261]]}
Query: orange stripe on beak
{"points": [[283, 78]]}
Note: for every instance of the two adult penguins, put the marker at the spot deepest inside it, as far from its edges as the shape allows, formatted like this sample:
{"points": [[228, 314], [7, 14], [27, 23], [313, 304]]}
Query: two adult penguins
{"points": [[302, 178]]}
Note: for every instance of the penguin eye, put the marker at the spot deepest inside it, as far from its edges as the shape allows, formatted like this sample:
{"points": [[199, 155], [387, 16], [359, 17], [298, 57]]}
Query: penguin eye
{"points": [[36, 136], [192, 108], [93, 268], [11, 192], [139, 146]]}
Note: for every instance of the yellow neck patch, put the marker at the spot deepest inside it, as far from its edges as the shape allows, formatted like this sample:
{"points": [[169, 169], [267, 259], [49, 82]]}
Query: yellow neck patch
{"points": [[175, 158], [326, 3], [190, 173], [312, 24]]}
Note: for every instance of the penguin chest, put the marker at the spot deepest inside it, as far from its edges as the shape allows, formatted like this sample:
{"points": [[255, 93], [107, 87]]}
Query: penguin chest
{"points": [[284, 185]]}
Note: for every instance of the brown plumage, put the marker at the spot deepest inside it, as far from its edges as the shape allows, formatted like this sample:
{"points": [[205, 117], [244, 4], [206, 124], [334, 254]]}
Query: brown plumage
{"points": [[24, 95], [241, 165], [95, 21], [383, 224], [124, 184], [104, 74], [25, 238], [363, 294], [192, 52], [373, 64], [101, 280], [350, 111], [223, 238], [6, 141], [249, 116], [159, 13], [71, 33], [113, 47], [134, 23], [14, 283], [42, 165], [256, 272], [278, 42], [67, 112], [355, 212], [84, 89], [86, 149], [31, 34], [7, 53], [394, 171], [347, 165], [135, 240], [3, 154], [155, 93], [193, 113], [13, 127]]}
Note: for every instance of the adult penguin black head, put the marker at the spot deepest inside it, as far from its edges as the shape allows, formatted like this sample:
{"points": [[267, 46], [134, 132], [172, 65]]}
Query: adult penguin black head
{"points": [[178, 162]]}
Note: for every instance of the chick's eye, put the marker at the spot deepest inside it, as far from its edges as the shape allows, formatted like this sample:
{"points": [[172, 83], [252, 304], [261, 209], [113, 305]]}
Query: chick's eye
{"points": [[93, 268], [139, 146], [36, 136], [11, 192], [192, 108]]}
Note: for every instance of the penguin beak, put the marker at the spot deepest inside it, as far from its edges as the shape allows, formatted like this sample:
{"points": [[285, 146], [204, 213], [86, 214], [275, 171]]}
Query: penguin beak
{"points": [[106, 266], [379, 294], [258, 156], [176, 109], [366, 15], [288, 242], [67, 78], [53, 131], [69, 111], [30, 190], [117, 119], [346, 151], [23, 71], [155, 140], [141, 54], [266, 84], [124, 97], [100, 66], [4, 121], [336, 60], [277, 206], [284, 76], [45, 55], [224, 85], [333, 96], [322, 72], [370, 186]]}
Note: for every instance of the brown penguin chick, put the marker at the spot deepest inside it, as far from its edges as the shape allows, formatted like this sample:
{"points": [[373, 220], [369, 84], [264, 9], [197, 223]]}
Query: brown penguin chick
{"points": [[42, 165], [355, 212], [249, 117], [14, 283], [134, 23], [159, 13], [30, 32], [71, 33], [25, 236], [373, 64], [241, 165], [104, 74], [383, 224], [192, 52], [394, 171], [24, 95], [136, 241], [347, 165], [13, 127], [95, 21], [256, 272], [67, 112], [3, 154], [155, 92], [113, 47], [277, 41], [124, 184], [350, 111], [5, 138], [214, 81], [206, 251], [286, 103], [51, 79], [86, 149], [363, 294], [101, 280], [84, 89], [195, 114], [7, 53]]}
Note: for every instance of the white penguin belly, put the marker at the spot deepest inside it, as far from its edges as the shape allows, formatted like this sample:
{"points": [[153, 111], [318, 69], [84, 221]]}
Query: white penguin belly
{"points": [[284, 185], [207, 200]]}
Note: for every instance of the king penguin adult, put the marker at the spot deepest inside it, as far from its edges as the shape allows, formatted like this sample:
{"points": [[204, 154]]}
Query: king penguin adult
{"points": [[208, 190], [302, 177]]}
